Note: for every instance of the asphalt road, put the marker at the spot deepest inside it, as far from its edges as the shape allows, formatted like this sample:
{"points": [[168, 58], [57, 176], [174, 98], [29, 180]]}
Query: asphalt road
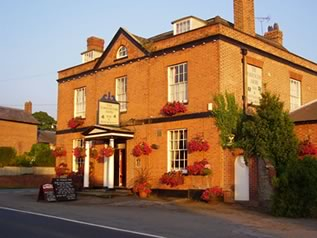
{"points": [[132, 217], [16, 224]]}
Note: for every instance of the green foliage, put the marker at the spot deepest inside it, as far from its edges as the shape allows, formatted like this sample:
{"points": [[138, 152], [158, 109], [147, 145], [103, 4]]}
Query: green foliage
{"points": [[46, 121], [269, 133], [7, 155], [23, 161], [296, 191], [42, 155], [227, 114]]}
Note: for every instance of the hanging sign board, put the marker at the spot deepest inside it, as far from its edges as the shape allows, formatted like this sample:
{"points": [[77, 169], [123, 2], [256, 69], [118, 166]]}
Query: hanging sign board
{"points": [[254, 84], [108, 112]]}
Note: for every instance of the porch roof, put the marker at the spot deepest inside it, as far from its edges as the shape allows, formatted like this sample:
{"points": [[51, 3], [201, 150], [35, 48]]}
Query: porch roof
{"points": [[105, 132]]}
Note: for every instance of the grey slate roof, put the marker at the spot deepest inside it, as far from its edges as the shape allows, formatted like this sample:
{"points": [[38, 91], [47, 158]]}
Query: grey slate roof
{"points": [[47, 137], [16, 115], [305, 113]]}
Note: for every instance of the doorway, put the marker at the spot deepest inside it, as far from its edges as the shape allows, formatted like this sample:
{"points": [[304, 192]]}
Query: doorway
{"points": [[120, 167], [241, 180]]}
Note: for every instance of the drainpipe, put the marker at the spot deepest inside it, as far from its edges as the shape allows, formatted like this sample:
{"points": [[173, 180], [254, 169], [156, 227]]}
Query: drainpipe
{"points": [[244, 52]]}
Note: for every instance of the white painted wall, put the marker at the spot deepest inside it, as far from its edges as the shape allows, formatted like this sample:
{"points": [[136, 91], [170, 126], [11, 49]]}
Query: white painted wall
{"points": [[241, 180]]}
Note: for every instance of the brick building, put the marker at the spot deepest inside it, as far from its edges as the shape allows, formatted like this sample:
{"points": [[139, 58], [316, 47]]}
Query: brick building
{"points": [[190, 64], [18, 128]]}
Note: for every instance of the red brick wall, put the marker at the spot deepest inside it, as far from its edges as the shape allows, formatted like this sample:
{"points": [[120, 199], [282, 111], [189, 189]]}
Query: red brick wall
{"points": [[18, 135]]}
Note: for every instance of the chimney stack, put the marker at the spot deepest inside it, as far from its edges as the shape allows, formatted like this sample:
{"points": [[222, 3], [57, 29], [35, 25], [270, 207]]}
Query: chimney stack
{"points": [[28, 107], [94, 49], [244, 19], [95, 43], [274, 34]]}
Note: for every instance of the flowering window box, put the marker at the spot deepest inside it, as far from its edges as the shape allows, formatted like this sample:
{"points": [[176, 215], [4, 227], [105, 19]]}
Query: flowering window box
{"points": [[173, 108], [199, 168], [75, 122]]}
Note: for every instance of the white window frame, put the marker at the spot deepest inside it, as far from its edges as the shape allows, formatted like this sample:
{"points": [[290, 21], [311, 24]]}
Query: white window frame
{"points": [[178, 83], [78, 143], [122, 52], [121, 92], [80, 102], [183, 26], [295, 94], [177, 150]]}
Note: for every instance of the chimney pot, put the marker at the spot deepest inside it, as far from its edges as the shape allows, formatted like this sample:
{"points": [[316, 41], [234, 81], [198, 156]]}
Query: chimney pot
{"points": [[28, 107]]}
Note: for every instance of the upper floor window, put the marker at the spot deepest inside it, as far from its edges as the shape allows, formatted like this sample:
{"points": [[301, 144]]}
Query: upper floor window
{"points": [[295, 94], [80, 102], [122, 52], [177, 149], [121, 92], [177, 83], [182, 26]]}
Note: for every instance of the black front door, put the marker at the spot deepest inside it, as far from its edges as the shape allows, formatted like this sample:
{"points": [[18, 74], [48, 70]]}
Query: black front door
{"points": [[120, 168]]}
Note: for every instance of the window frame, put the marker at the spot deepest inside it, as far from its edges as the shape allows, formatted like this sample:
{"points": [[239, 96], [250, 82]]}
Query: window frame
{"points": [[78, 104], [122, 52], [122, 97], [298, 98], [174, 150], [183, 26], [178, 79]]}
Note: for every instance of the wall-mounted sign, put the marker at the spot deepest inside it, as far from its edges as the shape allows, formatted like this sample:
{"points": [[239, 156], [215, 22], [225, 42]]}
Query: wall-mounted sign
{"points": [[254, 83], [109, 111]]}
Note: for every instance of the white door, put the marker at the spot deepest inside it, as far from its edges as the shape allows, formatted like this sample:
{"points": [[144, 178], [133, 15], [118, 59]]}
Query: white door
{"points": [[241, 180]]}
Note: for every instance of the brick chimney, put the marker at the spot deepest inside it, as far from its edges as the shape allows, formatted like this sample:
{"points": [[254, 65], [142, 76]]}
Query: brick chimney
{"points": [[28, 107], [274, 34], [94, 49], [244, 19], [95, 43]]}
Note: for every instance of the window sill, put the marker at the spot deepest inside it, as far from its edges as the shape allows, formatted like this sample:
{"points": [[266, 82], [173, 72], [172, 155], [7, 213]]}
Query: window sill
{"points": [[121, 58]]}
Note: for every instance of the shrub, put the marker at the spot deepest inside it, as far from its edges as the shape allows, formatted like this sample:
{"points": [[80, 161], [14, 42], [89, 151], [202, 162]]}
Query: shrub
{"points": [[23, 161], [295, 190], [7, 155], [42, 155]]}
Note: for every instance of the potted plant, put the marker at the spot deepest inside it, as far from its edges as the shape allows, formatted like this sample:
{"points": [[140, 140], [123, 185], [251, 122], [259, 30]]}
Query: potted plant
{"points": [[212, 195], [61, 170], [172, 108], [173, 178], [141, 186]]}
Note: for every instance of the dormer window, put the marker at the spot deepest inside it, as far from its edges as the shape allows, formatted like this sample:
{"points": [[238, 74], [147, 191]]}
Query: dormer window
{"points": [[187, 24], [122, 52]]}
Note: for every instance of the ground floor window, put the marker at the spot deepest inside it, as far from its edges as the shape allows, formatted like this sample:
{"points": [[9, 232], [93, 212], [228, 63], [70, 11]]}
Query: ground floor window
{"points": [[177, 149], [78, 163]]}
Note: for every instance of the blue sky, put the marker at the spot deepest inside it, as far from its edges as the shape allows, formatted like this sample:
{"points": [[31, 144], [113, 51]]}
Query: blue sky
{"points": [[39, 38]]}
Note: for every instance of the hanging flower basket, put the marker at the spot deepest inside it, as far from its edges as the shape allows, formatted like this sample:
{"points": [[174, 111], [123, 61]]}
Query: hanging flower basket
{"points": [[106, 152], [173, 108], [79, 152], [198, 144], [59, 152], [141, 149], [75, 122]]}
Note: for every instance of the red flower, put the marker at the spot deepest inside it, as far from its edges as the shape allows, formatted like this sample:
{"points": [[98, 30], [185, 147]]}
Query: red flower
{"points": [[211, 193], [199, 168], [173, 108], [75, 122], [141, 149], [106, 152], [198, 144], [79, 152], [59, 152], [307, 148], [173, 178]]}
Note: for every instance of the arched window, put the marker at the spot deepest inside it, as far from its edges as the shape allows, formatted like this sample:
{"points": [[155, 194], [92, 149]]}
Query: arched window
{"points": [[122, 52]]}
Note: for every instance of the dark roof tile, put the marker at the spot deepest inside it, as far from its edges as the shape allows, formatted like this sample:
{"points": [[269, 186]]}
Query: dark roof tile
{"points": [[17, 115]]}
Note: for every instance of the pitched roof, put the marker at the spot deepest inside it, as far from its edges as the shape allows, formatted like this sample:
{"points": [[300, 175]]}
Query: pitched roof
{"points": [[16, 115], [48, 137], [307, 112]]}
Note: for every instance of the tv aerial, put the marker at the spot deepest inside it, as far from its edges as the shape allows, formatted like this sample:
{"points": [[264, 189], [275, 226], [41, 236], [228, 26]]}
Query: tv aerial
{"points": [[263, 19]]}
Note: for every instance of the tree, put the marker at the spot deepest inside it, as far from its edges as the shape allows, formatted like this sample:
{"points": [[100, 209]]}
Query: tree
{"points": [[46, 121], [269, 133]]}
